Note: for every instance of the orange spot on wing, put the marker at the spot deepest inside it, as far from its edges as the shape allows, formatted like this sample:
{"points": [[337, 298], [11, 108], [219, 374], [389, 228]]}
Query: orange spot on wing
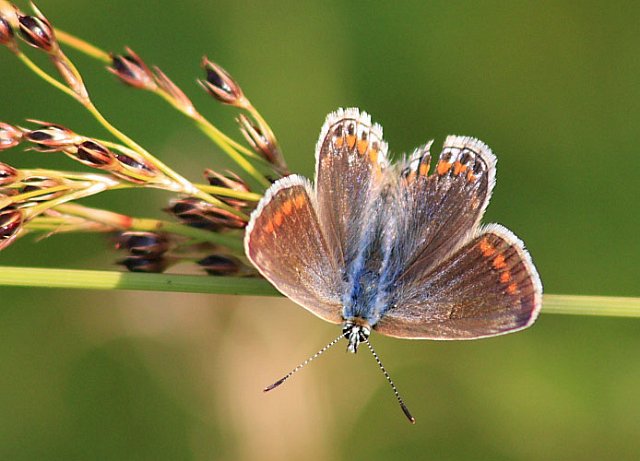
{"points": [[287, 207], [443, 167], [351, 141], [423, 170], [511, 289], [499, 262], [459, 168], [486, 248], [470, 176], [299, 201], [505, 276], [363, 144], [278, 218], [410, 177], [268, 227], [373, 156], [339, 141]]}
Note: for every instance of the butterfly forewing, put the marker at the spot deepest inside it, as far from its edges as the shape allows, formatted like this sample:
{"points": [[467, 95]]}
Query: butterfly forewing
{"points": [[350, 165], [487, 287], [285, 243], [440, 210]]}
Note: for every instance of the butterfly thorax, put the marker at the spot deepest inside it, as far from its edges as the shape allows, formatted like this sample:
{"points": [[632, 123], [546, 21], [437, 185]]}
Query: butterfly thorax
{"points": [[355, 331]]}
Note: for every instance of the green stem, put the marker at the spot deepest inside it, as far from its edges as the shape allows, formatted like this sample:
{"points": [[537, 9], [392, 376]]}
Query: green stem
{"points": [[46, 77], [609, 306], [111, 280]]}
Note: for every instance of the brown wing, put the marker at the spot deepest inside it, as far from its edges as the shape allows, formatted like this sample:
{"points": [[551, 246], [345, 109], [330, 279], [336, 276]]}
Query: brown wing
{"points": [[440, 210], [285, 243], [486, 288], [350, 165]]}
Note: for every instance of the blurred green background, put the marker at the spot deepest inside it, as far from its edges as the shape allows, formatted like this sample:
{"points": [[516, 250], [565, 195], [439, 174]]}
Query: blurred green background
{"points": [[553, 87]]}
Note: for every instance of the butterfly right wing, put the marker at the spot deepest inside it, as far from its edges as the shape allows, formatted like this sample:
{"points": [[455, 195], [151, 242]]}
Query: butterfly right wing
{"points": [[285, 243], [486, 288]]}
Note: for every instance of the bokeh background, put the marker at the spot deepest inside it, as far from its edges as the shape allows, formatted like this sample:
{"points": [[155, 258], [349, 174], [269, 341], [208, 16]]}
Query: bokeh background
{"points": [[552, 86]]}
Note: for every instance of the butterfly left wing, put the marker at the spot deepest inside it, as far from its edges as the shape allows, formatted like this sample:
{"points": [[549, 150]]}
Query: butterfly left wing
{"points": [[487, 287], [285, 243]]}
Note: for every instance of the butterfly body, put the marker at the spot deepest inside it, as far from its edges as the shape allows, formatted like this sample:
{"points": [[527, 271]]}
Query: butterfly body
{"points": [[394, 248]]}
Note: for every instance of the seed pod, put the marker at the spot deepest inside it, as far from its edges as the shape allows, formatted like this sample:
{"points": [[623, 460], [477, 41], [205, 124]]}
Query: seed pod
{"points": [[143, 243], [228, 181], [221, 85], [8, 174], [34, 183], [7, 36], [51, 137], [191, 211], [263, 143], [197, 213], [220, 265], [136, 170], [10, 136], [11, 221], [132, 71], [93, 154], [145, 264], [37, 32], [179, 98]]}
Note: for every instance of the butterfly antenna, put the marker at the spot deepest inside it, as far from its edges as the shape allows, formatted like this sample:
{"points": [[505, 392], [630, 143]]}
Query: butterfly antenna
{"points": [[299, 367], [405, 410]]}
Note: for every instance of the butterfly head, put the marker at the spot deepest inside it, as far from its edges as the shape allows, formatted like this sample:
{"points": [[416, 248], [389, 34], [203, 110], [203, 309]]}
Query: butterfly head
{"points": [[355, 331]]}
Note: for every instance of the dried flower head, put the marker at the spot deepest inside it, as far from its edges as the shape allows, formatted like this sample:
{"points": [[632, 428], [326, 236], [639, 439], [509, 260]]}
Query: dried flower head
{"points": [[221, 85], [8, 174], [136, 170], [230, 181], [132, 71], [51, 137], [41, 183], [93, 154], [38, 32], [145, 264], [7, 36], [143, 243], [180, 99], [263, 142], [10, 136], [220, 265], [197, 213], [11, 221]]}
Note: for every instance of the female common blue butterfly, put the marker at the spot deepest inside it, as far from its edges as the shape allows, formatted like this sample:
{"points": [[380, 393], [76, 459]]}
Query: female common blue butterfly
{"points": [[393, 248]]}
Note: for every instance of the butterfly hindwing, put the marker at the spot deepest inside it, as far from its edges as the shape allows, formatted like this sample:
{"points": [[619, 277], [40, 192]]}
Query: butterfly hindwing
{"points": [[285, 243], [487, 287]]}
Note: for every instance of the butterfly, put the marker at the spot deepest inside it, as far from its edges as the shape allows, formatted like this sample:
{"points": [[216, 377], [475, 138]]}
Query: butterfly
{"points": [[393, 248]]}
